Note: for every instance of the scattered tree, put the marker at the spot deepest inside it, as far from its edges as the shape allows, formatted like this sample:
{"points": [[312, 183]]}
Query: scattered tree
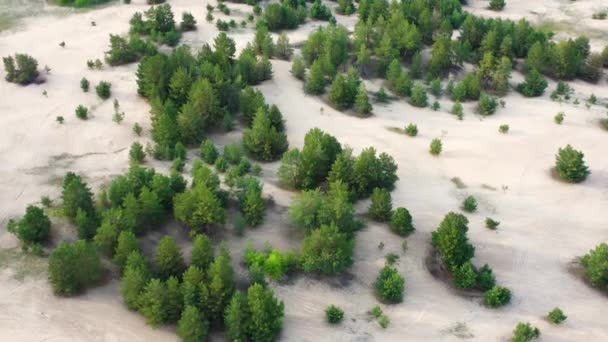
{"points": [[570, 166]]}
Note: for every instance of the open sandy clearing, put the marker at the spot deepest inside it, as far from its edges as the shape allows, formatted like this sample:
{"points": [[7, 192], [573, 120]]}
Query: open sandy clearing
{"points": [[545, 224]]}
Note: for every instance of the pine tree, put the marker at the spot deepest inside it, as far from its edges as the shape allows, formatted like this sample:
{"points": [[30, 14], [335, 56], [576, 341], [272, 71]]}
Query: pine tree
{"points": [[298, 70], [168, 259], [315, 83], [362, 105], [192, 326], [235, 317], [127, 243], [202, 252], [262, 140], [153, 302], [221, 283], [265, 314]]}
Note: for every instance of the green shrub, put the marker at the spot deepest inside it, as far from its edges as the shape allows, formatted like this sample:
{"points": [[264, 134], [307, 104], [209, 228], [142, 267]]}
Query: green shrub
{"points": [[188, 22], [221, 164], [74, 267], [137, 129], [485, 278], [504, 129], [390, 285], [419, 98], [556, 316], [84, 85], [497, 5], [401, 222], [384, 321], [465, 276], [208, 152], [32, 228], [24, 72], [136, 153], [334, 314], [497, 296], [381, 96], [570, 165], [491, 224], [469, 204], [436, 147], [525, 332], [381, 205], [82, 112], [376, 312], [487, 104], [233, 153], [595, 264], [411, 130], [103, 90], [559, 118]]}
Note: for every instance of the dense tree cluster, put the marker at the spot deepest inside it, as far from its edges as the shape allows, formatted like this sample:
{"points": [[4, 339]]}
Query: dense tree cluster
{"points": [[74, 267], [284, 15], [21, 69], [158, 23], [125, 51], [192, 94], [80, 3], [323, 159]]}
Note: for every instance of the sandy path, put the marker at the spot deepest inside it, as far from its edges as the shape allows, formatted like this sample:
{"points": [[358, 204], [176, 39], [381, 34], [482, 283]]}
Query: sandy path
{"points": [[545, 224]]}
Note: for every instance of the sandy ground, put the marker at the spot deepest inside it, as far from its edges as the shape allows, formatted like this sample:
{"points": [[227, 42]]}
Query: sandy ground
{"points": [[545, 223]]}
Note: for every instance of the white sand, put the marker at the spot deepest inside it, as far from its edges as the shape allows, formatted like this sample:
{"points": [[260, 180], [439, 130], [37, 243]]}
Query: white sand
{"points": [[545, 223]]}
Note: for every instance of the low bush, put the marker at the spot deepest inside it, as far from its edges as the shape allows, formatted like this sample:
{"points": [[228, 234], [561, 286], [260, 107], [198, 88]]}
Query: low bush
{"points": [[334, 314], [497, 296], [556, 316]]}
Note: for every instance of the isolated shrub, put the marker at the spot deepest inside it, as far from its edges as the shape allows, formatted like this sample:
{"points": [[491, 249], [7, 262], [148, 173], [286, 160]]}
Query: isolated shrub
{"points": [[436, 147], [74, 267], [381, 205], [465, 276], [487, 104], [556, 316], [491, 224], [84, 85], [33, 228], [411, 130], [22, 69], [334, 314], [497, 5], [525, 332], [401, 222], [570, 165], [595, 264], [435, 87], [390, 285], [497, 296], [327, 250], [381, 96], [504, 129], [103, 90], [457, 110], [450, 240], [82, 112], [485, 278], [188, 22], [384, 321], [136, 153], [168, 260], [559, 118], [469, 204]]}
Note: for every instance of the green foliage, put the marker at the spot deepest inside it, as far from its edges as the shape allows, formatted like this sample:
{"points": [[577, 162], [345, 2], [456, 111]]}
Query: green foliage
{"points": [[188, 22], [381, 96], [595, 264], [411, 130], [202, 252], [283, 49], [381, 205], [556, 316], [304, 210], [233, 153], [401, 222], [390, 285], [235, 317], [76, 195], [362, 105], [327, 250], [153, 302], [33, 228], [334, 314], [504, 129], [103, 90], [376, 311], [265, 314], [534, 84], [524, 332], [168, 260], [21, 69], [315, 82], [135, 276], [559, 118], [491, 223], [280, 16], [82, 112], [273, 263], [419, 98], [298, 70], [465, 276], [436, 88], [250, 200], [450, 240], [221, 284], [487, 104], [263, 141], [570, 165], [136, 153], [221, 164], [497, 296], [199, 208], [74, 267], [84, 85], [469, 204], [319, 11], [123, 51], [159, 24], [384, 321], [485, 278], [436, 146], [127, 244], [192, 326]]}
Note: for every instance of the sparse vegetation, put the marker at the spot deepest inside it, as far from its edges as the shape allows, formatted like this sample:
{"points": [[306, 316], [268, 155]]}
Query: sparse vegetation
{"points": [[334, 314], [525, 332], [556, 316], [469, 204], [436, 147], [570, 165]]}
